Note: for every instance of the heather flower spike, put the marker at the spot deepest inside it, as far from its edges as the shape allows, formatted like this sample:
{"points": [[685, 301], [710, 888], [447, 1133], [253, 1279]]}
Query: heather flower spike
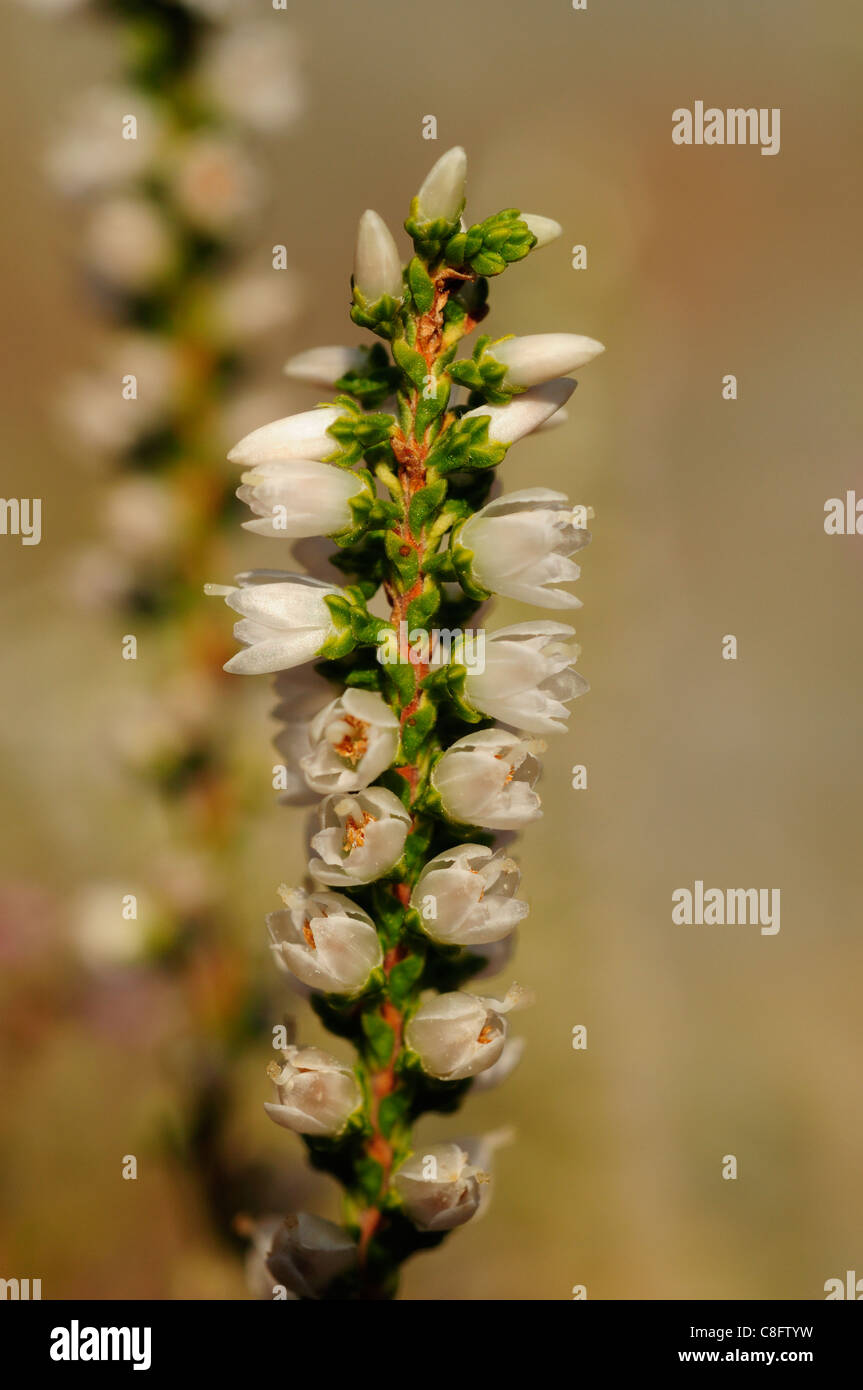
{"points": [[415, 734]]}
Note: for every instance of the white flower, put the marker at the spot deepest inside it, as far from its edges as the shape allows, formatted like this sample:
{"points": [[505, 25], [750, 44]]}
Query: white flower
{"points": [[308, 1253], [540, 357], [260, 1234], [252, 302], [102, 930], [458, 1035], [315, 1093], [284, 619], [324, 366], [325, 940], [128, 243], [213, 183], [441, 196], [302, 694], [465, 896], [545, 229], [520, 545], [527, 679], [362, 836], [353, 741], [480, 1152], [93, 151], [524, 413], [487, 778], [302, 436], [299, 497], [252, 72], [377, 264], [439, 1187], [94, 402], [142, 515]]}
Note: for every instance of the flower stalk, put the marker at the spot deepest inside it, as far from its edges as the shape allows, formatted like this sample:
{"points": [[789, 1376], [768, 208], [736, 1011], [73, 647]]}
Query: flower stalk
{"points": [[422, 773]]}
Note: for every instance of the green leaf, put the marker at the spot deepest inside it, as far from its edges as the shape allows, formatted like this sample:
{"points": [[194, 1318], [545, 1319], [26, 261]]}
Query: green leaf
{"points": [[421, 285], [412, 363], [465, 445], [417, 728], [403, 977], [380, 1038], [425, 503], [394, 1111], [403, 558], [382, 316]]}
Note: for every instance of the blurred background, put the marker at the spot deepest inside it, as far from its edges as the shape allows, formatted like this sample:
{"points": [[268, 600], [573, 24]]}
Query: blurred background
{"points": [[702, 1042]]}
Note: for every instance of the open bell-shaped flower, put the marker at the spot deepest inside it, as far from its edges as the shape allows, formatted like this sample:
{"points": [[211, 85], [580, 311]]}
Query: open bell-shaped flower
{"points": [[353, 740], [487, 778], [297, 498], [314, 1092], [308, 1253], [466, 896], [284, 619], [362, 837], [520, 545], [458, 1035], [439, 1187], [527, 678], [325, 940]]}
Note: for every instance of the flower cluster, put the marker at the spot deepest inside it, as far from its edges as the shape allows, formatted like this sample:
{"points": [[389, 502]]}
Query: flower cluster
{"points": [[156, 166], [413, 758]]}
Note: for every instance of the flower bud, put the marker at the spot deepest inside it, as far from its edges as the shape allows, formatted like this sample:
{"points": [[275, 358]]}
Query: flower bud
{"points": [[284, 621], [302, 436], [296, 498], [362, 837], [308, 1253], [457, 1035], [545, 229], [315, 1093], [325, 940], [520, 545], [527, 679], [438, 1187], [465, 896], [524, 413], [441, 197], [540, 357], [487, 779], [354, 739], [324, 366], [377, 264]]}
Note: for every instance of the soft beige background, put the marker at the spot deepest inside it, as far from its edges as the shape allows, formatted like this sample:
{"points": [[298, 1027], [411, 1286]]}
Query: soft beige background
{"points": [[702, 1042]]}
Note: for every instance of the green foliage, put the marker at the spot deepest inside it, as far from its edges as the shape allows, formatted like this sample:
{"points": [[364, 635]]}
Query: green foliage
{"points": [[382, 316], [489, 247], [464, 446], [371, 383]]}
